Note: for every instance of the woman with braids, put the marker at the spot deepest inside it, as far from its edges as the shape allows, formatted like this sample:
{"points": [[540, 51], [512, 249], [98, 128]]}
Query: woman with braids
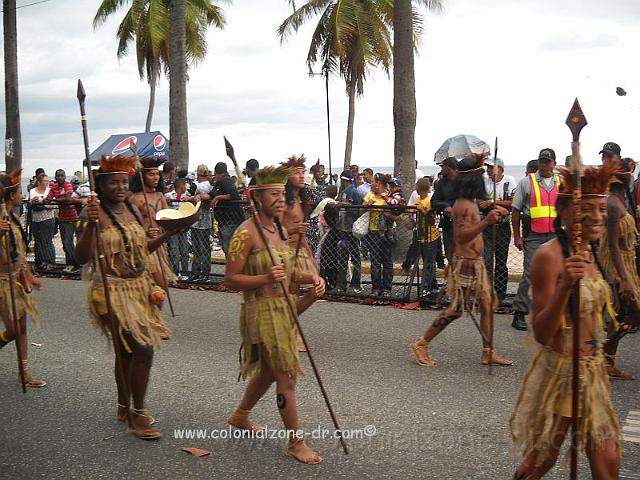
{"points": [[618, 257], [467, 280], [135, 298], [268, 353], [154, 190], [23, 280], [294, 219], [542, 415]]}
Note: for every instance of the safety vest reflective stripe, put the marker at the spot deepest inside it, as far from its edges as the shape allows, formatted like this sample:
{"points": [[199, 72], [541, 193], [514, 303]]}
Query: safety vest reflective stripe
{"points": [[542, 206]]}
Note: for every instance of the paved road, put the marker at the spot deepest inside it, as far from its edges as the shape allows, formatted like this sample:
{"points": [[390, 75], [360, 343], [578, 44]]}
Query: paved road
{"points": [[443, 423]]}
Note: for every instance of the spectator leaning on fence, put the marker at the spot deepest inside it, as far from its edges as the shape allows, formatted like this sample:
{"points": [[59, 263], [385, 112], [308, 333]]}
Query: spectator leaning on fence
{"points": [[179, 243], [365, 187], [43, 224], [427, 234], [443, 199], [201, 230], [348, 245], [226, 209], [505, 185], [376, 240], [61, 191], [535, 197]]}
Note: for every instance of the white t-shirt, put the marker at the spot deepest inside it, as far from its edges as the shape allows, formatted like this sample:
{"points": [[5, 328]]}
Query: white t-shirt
{"points": [[500, 186], [41, 215]]}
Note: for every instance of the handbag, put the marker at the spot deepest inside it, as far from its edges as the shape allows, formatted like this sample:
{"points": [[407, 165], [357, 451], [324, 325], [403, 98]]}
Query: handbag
{"points": [[361, 226]]}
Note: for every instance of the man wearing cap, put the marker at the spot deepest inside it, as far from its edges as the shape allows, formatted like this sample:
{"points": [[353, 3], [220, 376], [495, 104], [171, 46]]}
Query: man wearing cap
{"points": [[442, 201], [226, 209], [504, 188], [611, 154], [535, 197], [348, 246], [250, 170]]}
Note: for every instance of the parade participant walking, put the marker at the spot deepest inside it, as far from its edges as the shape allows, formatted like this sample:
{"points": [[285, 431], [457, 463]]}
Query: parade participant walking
{"points": [[135, 298], [467, 278], [497, 255], [442, 201], [535, 197], [267, 327], [16, 299], [543, 412], [618, 257], [148, 197]]}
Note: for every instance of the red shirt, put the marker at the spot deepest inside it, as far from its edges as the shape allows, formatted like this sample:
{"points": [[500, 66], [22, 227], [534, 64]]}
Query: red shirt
{"points": [[66, 213]]}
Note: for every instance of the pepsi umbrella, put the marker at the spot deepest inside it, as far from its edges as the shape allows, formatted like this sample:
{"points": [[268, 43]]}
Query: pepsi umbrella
{"points": [[150, 144], [460, 146]]}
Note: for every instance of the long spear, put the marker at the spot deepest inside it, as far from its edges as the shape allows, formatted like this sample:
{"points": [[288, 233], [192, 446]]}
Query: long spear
{"points": [[99, 258], [134, 149], [494, 236], [17, 328], [576, 121]]}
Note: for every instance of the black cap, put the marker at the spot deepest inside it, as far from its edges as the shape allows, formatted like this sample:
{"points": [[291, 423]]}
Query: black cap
{"points": [[252, 164], [547, 154], [220, 167], [610, 147], [346, 175], [450, 162]]}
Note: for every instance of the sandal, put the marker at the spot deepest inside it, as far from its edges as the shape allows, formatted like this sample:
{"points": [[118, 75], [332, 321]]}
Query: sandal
{"points": [[490, 356], [122, 416], [300, 456], [143, 432], [240, 420], [420, 352], [615, 372], [29, 381]]}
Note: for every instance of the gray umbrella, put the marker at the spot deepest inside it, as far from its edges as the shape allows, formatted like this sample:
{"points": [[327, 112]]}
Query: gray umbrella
{"points": [[460, 146]]}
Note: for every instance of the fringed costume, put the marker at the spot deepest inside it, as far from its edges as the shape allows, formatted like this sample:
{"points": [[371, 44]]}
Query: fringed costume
{"points": [[468, 279]]}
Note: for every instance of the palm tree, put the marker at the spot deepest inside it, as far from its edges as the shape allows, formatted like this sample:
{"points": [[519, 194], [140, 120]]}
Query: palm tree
{"points": [[146, 24], [405, 33], [13, 138], [351, 38], [178, 127]]}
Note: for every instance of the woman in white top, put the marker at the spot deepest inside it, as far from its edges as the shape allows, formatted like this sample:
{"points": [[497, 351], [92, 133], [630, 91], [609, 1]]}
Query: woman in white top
{"points": [[43, 224]]}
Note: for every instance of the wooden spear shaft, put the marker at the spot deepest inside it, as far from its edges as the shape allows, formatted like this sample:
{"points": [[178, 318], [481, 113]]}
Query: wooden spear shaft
{"points": [[494, 237]]}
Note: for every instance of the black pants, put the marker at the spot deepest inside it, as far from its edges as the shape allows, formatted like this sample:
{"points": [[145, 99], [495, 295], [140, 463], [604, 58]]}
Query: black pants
{"points": [[503, 239], [201, 242], [412, 252], [67, 234], [447, 239], [43, 233], [380, 250], [429, 252], [348, 248]]}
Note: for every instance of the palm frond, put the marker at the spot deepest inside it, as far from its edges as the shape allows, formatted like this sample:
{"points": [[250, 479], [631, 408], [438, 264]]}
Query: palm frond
{"points": [[292, 23]]}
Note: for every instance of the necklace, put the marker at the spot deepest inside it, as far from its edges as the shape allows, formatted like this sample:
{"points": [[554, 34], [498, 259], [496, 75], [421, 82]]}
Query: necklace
{"points": [[269, 230]]}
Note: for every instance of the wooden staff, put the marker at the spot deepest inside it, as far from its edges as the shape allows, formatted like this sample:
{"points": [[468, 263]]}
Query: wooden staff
{"points": [[294, 314], [134, 149], [494, 237], [576, 121], [17, 327], [99, 258], [232, 156]]}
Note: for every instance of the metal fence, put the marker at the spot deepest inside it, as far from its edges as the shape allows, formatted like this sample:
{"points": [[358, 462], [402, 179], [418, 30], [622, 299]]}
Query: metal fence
{"points": [[392, 259]]}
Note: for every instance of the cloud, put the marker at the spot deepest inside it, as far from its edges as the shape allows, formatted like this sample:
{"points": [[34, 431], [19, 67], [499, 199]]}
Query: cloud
{"points": [[569, 42]]}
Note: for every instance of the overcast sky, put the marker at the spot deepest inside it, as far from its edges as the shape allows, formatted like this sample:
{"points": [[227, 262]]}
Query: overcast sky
{"points": [[506, 68]]}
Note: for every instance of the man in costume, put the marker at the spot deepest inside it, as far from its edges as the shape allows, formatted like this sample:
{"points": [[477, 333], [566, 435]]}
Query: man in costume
{"points": [[267, 326], [158, 264], [618, 257], [11, 235], [535, 198], [132, 318], [467, 277], [543, 412]]}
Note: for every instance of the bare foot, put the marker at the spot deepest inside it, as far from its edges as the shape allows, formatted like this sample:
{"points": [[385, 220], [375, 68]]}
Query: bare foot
{"points": [[303, 453], [32, 382], [490, 356], [420, 352], [300, 345], [141, 426], [614, 372], [121, 412]]}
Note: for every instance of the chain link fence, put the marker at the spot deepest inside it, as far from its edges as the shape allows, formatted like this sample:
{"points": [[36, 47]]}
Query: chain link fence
{"points": [[375, 253]]}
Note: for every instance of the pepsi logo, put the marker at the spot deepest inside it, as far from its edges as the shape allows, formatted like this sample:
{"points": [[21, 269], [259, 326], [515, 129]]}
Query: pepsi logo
{"points": [[159, 142], [124, 145]]}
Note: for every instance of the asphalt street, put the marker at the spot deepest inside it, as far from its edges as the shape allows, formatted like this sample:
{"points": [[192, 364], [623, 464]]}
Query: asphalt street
{"points": [[448, 422]]}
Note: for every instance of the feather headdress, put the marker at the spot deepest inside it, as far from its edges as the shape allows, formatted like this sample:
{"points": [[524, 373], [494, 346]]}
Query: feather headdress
{"points": [[117, 164], [595, 182]]}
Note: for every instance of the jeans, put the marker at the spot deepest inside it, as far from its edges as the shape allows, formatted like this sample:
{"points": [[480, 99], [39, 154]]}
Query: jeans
{"points": [[201, 241], [503, 239], [226, 232], [67, 233], [522, 301], [429, 251], [447, 239], [43, 233], [348, 248], [179, 252], [380, 250]]}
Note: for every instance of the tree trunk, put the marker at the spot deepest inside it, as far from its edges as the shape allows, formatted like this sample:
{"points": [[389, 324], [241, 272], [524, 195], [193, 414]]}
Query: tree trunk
{"points": [[153, 82], [13, 139], [404, 94], [348, 147], [178, 129]]}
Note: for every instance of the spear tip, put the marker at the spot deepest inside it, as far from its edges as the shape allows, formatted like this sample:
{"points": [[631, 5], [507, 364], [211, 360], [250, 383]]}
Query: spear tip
{"points": [[576, 120], [81, 95]]}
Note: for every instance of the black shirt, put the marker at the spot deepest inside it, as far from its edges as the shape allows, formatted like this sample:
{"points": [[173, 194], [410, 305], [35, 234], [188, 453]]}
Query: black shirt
{"points": [[228, 212], [443, 196]]}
